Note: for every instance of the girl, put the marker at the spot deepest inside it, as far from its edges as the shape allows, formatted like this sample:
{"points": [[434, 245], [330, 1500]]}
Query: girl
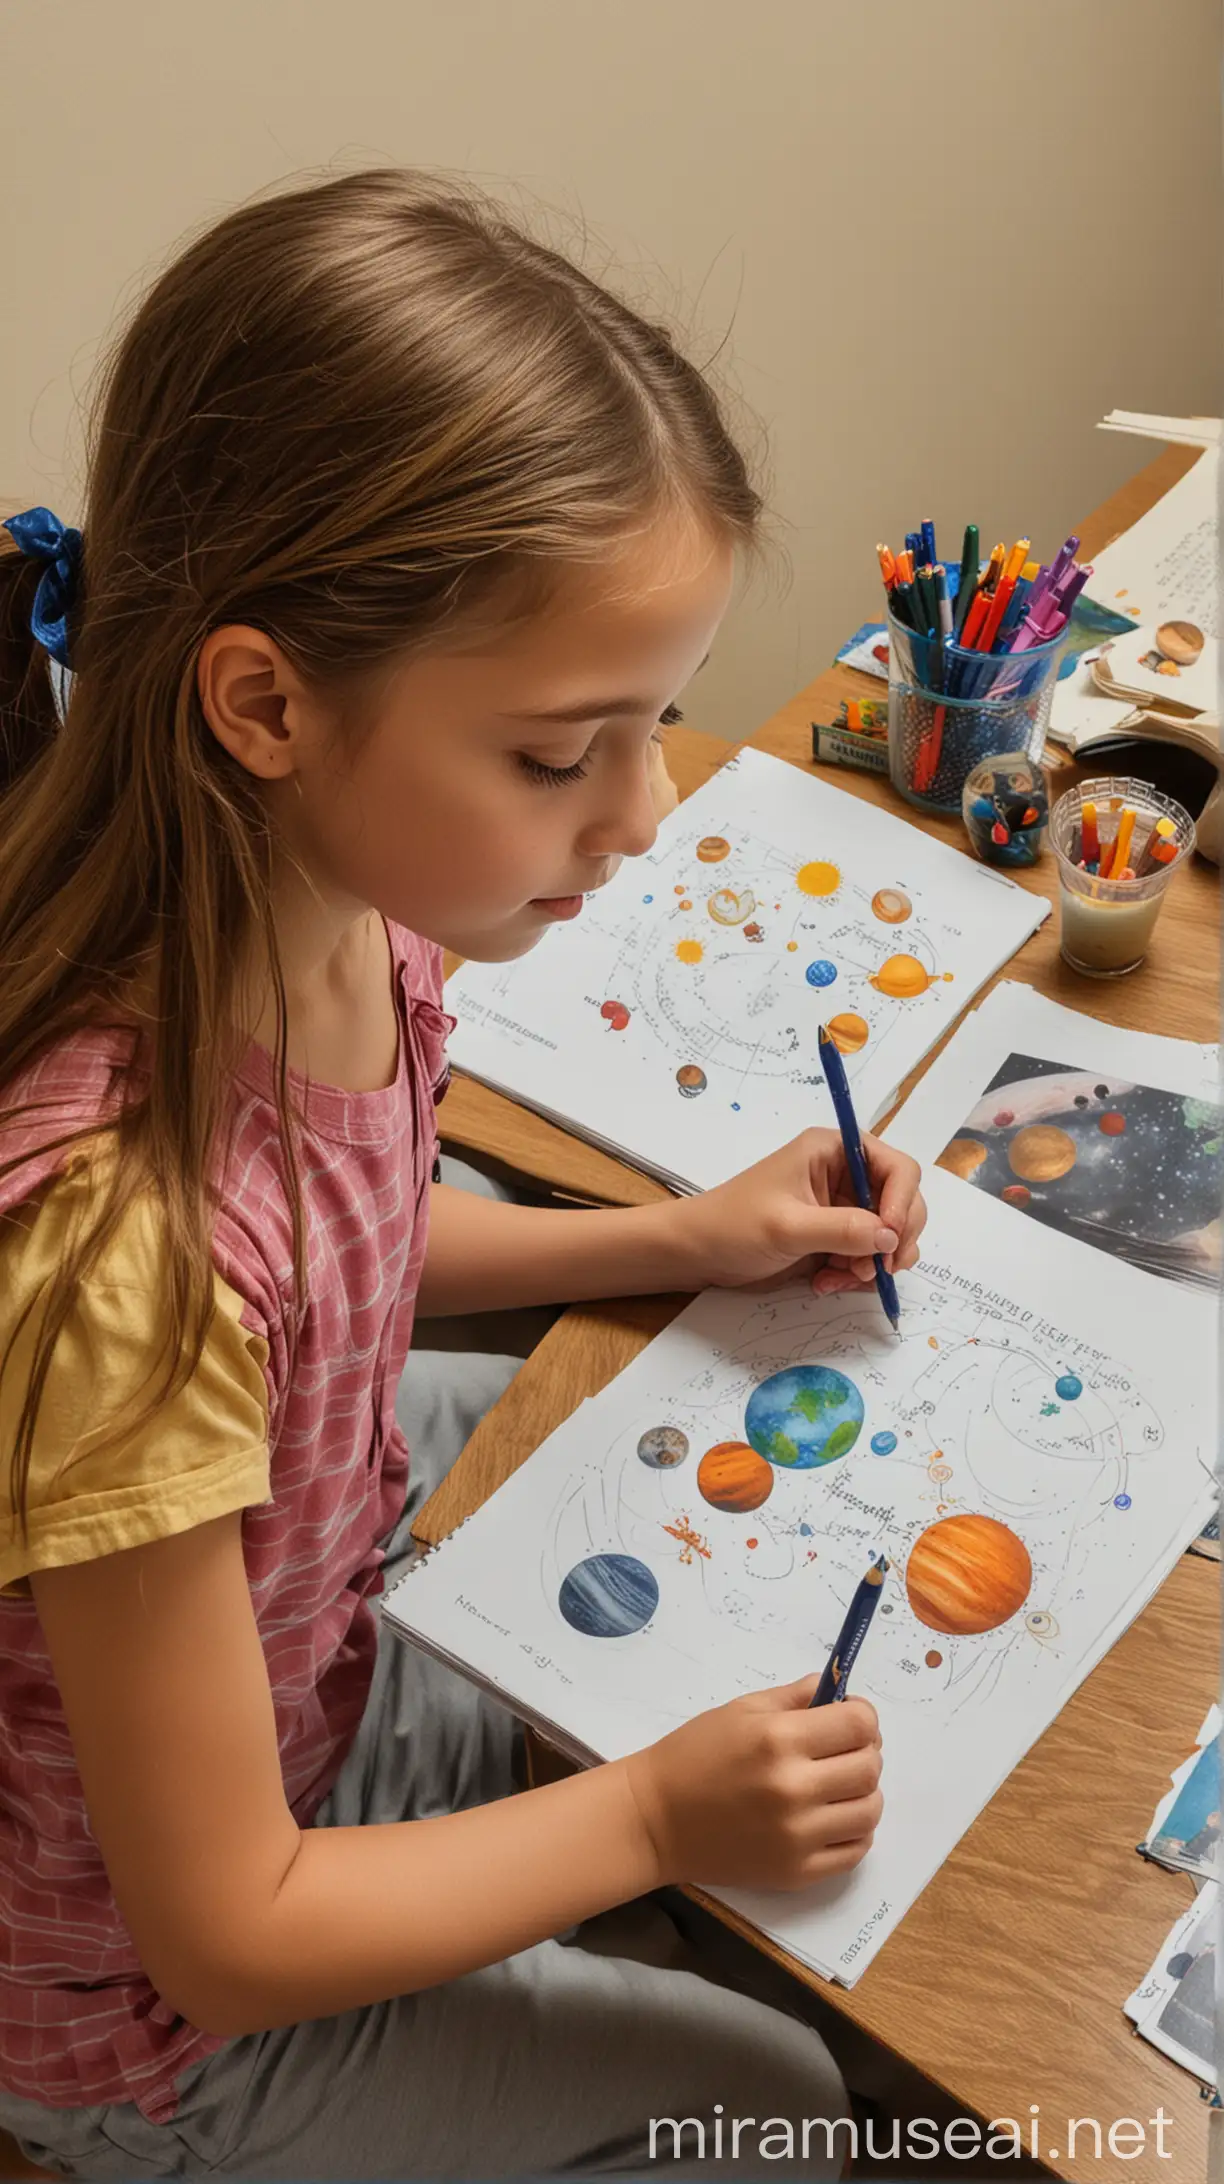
{"points": [[401, 538]]}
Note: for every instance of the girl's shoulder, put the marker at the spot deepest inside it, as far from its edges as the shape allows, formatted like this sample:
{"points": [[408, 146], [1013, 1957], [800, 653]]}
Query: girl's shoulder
{"points": [[46, 1112]]}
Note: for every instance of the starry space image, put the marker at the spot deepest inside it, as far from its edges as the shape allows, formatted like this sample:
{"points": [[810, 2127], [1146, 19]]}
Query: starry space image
{"points": [[1132, 1170]]}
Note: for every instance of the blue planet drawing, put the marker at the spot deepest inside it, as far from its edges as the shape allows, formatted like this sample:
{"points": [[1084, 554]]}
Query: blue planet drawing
{"points": [[883, 1444], [608, 1596], [820, 973], [1068, 1386], [804, 1417], [1122, 1501]]}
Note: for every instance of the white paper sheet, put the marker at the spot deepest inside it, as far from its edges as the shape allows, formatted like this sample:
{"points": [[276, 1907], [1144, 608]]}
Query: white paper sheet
{"points": [[1075, 1416], [1176, 2005], [675, 1021], [1178, 431], [1166, 566]]}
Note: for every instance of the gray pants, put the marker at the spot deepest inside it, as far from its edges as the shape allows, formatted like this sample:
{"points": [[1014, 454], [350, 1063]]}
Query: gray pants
{"points": [[553, 2063]]}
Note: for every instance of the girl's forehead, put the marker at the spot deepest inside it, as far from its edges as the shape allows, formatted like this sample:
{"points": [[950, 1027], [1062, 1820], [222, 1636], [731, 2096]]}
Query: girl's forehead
{"points": [[661, 591]]}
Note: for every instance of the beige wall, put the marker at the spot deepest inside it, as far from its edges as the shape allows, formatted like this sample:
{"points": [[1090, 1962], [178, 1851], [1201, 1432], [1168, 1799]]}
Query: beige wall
{"points": [[938, 238]]}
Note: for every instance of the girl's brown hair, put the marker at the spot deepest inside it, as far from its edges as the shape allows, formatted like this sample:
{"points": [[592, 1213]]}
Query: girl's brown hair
{"points": [[344, 415]]}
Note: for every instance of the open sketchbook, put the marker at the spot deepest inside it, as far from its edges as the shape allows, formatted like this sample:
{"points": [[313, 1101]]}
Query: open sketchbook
{"points": [[1031, 1453], [674, 1022]]}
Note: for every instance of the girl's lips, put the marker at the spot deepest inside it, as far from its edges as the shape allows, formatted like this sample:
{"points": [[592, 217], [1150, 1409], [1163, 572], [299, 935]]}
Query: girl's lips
{"points": [[559, 906]]}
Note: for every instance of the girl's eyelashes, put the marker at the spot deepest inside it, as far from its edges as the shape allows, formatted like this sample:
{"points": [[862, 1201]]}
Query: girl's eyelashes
{"points": [[557, 776], [552, 777]]}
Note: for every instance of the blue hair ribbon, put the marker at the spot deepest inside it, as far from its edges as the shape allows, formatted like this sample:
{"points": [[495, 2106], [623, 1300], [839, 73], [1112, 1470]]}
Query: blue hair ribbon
{"points": [[41, 537]]}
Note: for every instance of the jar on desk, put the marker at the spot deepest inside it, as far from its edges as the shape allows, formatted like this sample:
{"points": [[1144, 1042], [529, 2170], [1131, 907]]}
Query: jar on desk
{"points": [[948, 709]]}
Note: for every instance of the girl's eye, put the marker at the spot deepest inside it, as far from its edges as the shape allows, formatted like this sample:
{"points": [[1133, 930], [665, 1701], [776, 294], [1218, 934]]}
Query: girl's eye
{"points": [[670, 717], [552, 777]]}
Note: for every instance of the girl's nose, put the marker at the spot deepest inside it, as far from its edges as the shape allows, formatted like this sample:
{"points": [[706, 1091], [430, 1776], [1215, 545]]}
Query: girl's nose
{"points": [[627, 824]]}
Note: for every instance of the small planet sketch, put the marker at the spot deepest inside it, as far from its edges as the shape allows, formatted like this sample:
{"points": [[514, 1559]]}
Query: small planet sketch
{"points": [[821, 973], [615, 1015], [848, 1032], [663, 1447], [1012, 1194], [891, 905], [689, 951], [933, 1659], [1112, 1124], [712, 848], [608, 1596], [818, 879], [902, 978], [1122, 1501], [1068, 1386], [962, 1157], [804, 1417], [966, 1575], [883, 1444], [691, 1080], [726, 907], [733, 1477], [1041, 1624], [1041, 1152]]}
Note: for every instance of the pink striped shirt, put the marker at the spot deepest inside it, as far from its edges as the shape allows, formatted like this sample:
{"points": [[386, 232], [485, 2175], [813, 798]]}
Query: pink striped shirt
{"points": [[80, 2024]]}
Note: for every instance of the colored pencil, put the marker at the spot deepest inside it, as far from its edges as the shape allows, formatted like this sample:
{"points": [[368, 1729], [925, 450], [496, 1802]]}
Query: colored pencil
{"points": [[834, 1676], [856, 1166]]}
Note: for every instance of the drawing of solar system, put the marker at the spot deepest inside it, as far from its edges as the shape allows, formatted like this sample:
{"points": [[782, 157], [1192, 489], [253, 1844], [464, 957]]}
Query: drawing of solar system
{"points": [[1124, 1167], [991, 1471], [736, 953]]}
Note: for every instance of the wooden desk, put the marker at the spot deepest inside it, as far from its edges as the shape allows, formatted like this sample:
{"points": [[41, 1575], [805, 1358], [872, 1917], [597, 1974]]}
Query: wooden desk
{"points": [[1006, 1980]]}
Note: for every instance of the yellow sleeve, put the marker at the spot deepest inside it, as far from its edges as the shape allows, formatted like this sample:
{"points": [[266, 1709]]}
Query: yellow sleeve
{"points": [[92, 1490]]}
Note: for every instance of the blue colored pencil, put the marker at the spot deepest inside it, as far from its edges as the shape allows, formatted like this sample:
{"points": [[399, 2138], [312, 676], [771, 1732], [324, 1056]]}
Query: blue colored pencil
{"points": [[832, 1685], [852, 1145]]}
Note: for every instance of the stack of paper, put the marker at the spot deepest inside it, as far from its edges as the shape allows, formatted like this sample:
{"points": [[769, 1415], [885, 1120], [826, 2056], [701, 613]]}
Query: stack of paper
{"points": [[1185, 1830], [1176, 2007], [674, 1023], [1032, 1455]]}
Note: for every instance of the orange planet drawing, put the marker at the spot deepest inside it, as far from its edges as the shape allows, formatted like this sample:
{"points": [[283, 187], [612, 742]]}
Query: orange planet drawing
{"points": [[891, 906], [1041, 1153], [733, 1477], [962, 1157], [902, 978], [1015, 1194], [726, 907], [818, 878], [966, 1575], [848, 1032], [689, 951], [712, 849]]}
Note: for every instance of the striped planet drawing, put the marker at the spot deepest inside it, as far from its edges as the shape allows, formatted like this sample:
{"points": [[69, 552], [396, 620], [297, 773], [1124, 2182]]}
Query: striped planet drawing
{"points": [[734, 1477], [608, 1596]]}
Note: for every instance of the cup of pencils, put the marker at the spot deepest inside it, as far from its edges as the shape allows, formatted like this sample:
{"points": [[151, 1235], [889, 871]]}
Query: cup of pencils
{"points": [[1118, 843], [973, 658]]}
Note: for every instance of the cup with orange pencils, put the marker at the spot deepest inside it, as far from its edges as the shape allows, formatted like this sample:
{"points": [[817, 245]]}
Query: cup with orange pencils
{"points": [[1118, 843]]}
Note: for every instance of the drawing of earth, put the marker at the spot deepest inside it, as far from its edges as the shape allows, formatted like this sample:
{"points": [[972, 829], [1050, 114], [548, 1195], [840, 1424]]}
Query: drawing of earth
{"points": [[804, 1417], [608, 1596]]}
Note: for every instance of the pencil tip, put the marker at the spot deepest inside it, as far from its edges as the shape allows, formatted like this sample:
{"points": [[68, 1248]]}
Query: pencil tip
{"points": [[894, 1323]]}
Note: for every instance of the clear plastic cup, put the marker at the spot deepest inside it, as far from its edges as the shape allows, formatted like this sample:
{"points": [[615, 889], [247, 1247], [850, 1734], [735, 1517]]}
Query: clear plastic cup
{"points": [[1107, 924]]}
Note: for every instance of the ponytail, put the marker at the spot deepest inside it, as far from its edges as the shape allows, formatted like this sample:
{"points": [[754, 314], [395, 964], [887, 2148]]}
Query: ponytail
{"points": [[28, 714]]}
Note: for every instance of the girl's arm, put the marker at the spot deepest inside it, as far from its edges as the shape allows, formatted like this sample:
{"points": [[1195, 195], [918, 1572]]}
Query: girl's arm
{"points": [[244, 1921], [776, 1218]]}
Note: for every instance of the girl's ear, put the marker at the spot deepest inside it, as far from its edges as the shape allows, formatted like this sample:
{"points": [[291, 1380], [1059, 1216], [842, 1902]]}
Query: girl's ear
{"points": [[253, 700]]}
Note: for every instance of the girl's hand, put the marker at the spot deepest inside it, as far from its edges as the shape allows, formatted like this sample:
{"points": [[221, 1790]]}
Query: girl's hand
{"points": [[796, 1212], [763, 1793]]}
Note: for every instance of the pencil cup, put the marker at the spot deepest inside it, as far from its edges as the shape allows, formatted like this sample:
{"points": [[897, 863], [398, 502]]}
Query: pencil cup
{"points": [[1107, 924], [949, 709], [1006, 809]]}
